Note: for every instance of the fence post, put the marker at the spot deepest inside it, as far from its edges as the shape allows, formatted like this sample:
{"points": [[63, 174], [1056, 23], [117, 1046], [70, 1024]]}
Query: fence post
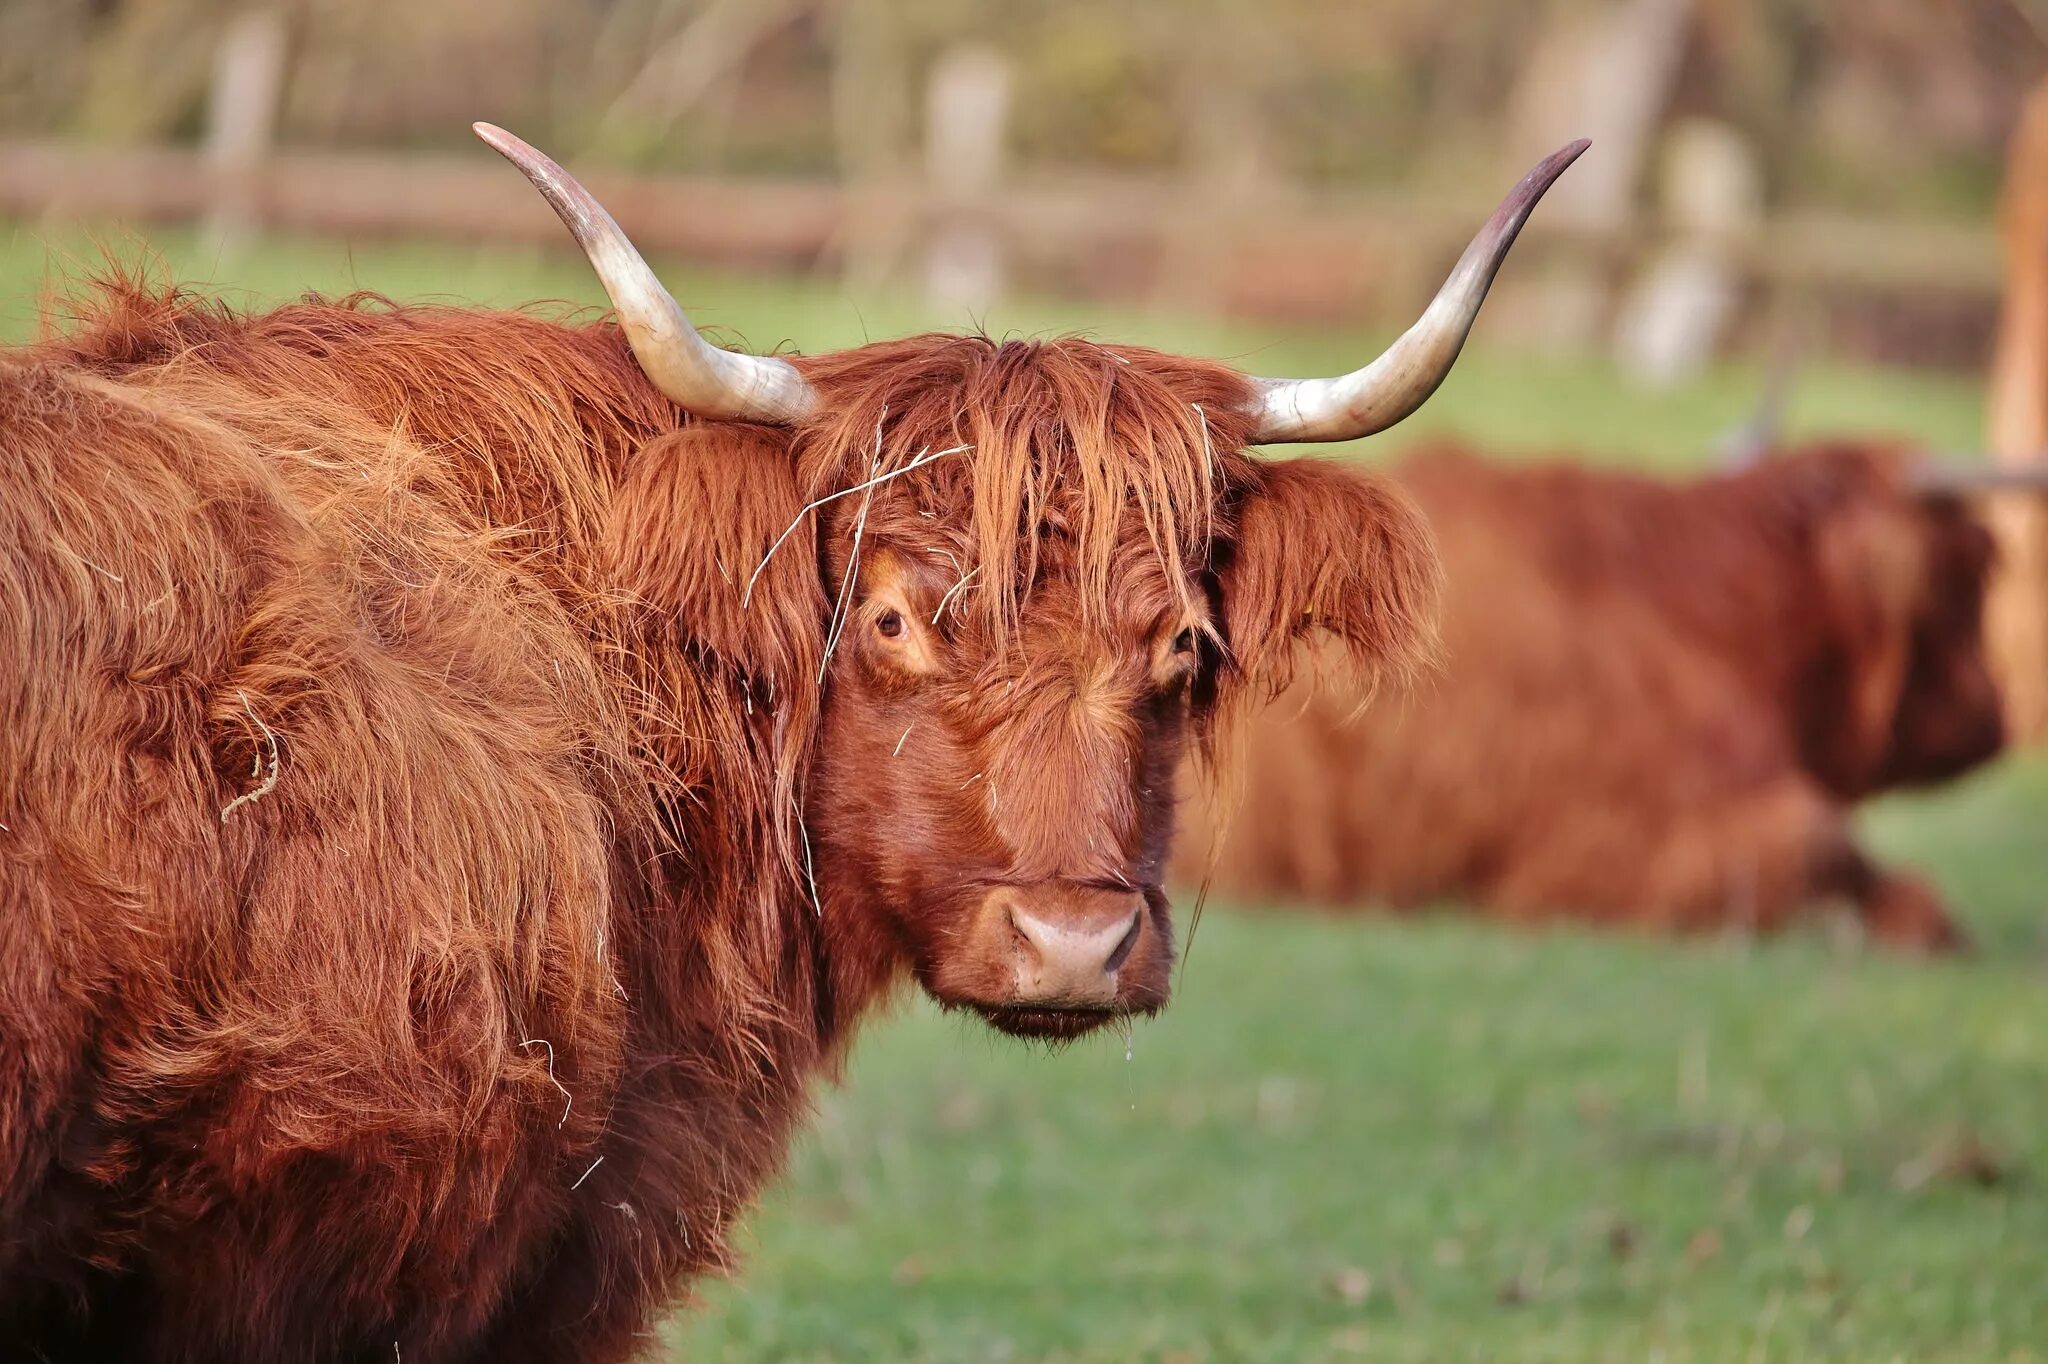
{"points": [[1221, 82], [1608, 74], [967, 110], [241, 120], [1711, 197]]}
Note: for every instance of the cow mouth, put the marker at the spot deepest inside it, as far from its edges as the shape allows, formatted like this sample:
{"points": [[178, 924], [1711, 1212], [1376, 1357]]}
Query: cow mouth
{"points": [[1045, 1024]]}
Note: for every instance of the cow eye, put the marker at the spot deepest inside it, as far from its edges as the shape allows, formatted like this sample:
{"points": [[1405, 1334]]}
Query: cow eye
{"points": [[1184, 642], [890, 623]]}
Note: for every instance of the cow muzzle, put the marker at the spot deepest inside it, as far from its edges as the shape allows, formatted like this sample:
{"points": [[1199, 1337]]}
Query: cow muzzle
{"points": [[1059, 959]]}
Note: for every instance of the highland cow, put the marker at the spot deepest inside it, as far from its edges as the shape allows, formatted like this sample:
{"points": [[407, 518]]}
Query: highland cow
{"points": [[465, 775], [1659, 702]]}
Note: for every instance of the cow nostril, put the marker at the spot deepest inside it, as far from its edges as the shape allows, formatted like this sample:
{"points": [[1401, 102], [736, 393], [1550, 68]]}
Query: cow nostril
{"points": [[1128, 942]]}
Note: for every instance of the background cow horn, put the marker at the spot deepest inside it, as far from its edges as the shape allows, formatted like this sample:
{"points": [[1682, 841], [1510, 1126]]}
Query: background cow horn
{"points": [[697, 376], [1760, 432], [1407, 372], [1953, 476]]}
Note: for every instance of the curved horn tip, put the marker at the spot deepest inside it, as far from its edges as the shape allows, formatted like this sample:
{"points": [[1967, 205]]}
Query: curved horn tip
{"points": [[695, 375], [1538, 181], [498, 139], [531, 162], [1374, 398], [1948, 475], [1553, 165]]}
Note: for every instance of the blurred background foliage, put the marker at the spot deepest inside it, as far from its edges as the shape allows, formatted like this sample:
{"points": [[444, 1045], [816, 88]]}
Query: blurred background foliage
{"points": [[1871, 104], [1829, 167]]}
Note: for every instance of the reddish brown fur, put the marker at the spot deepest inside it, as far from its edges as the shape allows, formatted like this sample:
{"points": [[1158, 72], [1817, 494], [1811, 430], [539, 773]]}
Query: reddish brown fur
{"points": [[430, 878], [1660, 701]]}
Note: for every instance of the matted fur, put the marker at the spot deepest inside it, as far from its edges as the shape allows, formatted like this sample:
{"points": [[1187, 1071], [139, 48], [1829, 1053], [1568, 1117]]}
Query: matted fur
{"points": [[1660, 702], [442, 841]]}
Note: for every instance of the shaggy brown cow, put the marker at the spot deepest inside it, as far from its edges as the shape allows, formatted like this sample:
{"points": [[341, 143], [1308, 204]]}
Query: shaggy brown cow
{"points": [[1658, 703], [452, 802]]}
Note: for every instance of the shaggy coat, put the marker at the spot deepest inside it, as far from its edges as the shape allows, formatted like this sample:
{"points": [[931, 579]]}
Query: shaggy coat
{"points": [[452, 804], [1660, 702]]}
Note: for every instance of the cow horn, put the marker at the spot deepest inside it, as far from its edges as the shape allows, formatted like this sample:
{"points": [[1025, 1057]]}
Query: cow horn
{"points": [[697, 376], [1953, 476], [1407, 372], [1747, 444]]}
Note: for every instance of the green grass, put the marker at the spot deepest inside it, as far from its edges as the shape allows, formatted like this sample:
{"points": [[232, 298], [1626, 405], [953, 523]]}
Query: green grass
{"points": [[1533, 1148], [1512, 401], [1421, 1140]]}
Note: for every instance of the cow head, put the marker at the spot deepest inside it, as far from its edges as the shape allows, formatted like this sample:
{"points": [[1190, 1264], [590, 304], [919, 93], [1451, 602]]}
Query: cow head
{"points": [[1904, 567], [1022, 636], [1949, 717], [988, 593]]}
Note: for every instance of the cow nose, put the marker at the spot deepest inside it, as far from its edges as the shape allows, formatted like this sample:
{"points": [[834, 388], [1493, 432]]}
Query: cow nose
{"points": [[1068, 955]]}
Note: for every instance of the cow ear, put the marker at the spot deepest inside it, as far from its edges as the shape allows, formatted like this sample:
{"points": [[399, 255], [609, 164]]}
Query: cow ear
{"points": [[1871, 570], [698, 534], [1320, 548]]}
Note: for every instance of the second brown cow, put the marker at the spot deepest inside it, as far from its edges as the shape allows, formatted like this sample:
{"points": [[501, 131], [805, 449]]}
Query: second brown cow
{"points": [[1659, 702]]}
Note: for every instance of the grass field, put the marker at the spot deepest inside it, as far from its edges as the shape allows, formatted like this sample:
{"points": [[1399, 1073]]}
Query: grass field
{"points": [[1422, 1140]]}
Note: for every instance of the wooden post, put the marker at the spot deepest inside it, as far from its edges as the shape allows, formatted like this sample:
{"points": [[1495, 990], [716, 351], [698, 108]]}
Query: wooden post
{"points": [[1674, 315], [967, 110], [1227, 175], [872, 118], [2017, 425], [241, 120], [1606, 73]]}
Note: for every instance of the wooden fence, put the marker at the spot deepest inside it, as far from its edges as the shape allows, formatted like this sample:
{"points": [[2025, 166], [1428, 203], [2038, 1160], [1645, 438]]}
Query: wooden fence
{"points": [[1291, 254]]}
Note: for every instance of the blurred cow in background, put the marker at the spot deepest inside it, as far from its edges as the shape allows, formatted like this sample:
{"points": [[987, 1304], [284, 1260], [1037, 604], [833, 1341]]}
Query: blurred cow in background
{"points": [[1660, 701]]}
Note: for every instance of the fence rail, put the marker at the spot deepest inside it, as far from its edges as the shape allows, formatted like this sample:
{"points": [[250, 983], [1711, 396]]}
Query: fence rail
{"points": [[1290, 254]]}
